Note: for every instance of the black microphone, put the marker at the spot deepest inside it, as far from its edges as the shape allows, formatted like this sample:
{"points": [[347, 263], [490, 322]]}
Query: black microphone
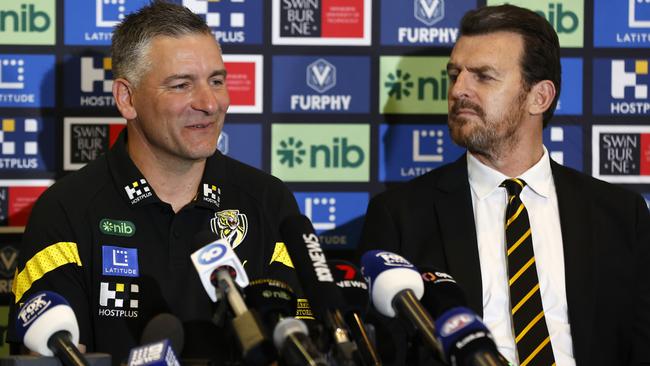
{"points": [[318, 284], [47, 325], [276, 303], [355, 290], [465, 339], [218, 267], [164, 326]]}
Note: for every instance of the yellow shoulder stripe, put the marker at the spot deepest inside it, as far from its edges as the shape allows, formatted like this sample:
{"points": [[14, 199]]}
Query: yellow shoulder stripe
{"points": [[48, 259], [281, 255]]}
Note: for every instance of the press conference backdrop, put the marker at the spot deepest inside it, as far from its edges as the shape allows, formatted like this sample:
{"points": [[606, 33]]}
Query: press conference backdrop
{"points": [[338, 98]]}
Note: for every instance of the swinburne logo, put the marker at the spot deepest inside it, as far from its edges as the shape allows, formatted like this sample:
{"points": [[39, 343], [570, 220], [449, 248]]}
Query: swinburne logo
{"points": [[621, 154]]}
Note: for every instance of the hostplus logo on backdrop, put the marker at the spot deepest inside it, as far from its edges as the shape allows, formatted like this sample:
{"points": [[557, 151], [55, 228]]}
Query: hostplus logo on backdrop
{"points": [[232, 21], [621, 86], [413, 84], [618, 25], [28, 23], [621, 154], [408, 151], [422, 22], [26, 80], [90, 81], [323, 152], [26, 144], [337, 216], [335, 84], [91, 22]]}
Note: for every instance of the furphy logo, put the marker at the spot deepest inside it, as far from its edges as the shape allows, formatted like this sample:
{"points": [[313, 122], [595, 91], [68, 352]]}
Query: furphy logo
{"points": [[321, 22], [621, 154], [28, 22], [244, 82], [26, 144], [564, 144], [86, 138], [422, 22], [330, 84], [413, 85], [232, 21], [323, 152], [566, 16], [336, 216], [89, 81], [570, 102], [91, 22], [26, 81], [17, 198], [243, 142], [118, 261], [118, 300], [622, 25], [621, 86], [408, 151]]}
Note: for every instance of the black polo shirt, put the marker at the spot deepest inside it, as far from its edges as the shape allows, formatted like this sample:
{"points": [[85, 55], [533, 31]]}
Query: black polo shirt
{"points": [[102, 239]]}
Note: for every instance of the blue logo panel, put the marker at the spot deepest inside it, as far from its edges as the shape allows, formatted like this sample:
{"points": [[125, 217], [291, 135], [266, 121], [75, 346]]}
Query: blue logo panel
{"points": [[337, 216], [232, 21], [321, 84], [91, 22], [89, 81], [26, 81], [624, 23], [570, 102], [26, 144], [118, 261], [422, 22], [243, 142], [621, 87], [564, 144], [646, 196], [408, 151]]}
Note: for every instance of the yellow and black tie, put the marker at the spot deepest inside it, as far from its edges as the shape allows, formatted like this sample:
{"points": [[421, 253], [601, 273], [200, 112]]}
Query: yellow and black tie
{"points": [[529, 325]]}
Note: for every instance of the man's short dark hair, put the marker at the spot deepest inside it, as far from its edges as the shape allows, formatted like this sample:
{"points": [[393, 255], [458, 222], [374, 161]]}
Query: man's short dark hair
{"points": [[541, 52], [133, 36]]}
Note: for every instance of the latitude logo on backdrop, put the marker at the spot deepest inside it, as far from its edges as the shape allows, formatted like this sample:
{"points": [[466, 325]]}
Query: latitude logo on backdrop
{"points": [[28, 23], [91, 22], [618, 25], [22, 80]]}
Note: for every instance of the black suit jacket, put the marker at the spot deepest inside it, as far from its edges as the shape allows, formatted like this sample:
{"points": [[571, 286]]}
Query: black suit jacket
{"points": [[606, 240]]}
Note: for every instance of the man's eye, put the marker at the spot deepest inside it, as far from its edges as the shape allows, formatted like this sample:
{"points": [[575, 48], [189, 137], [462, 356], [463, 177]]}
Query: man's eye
{"points": [[217, 82], [181, 86], [484, 77]]}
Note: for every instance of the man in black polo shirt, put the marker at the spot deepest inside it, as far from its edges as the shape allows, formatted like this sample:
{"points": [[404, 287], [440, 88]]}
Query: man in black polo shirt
{"points": [[115, 238]]}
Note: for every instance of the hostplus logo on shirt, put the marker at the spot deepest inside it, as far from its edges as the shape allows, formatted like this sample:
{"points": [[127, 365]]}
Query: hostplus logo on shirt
{"points": [[25, 144], [138, 190], [90, 82], [621, 86], [26, 80], [211, 194], [118, 300]]}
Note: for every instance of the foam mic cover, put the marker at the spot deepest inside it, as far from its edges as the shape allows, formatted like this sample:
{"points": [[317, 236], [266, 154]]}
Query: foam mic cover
{"points": [[164, 326], [389, 274], [43, 315], [272, 299], [352, 285], [154, 354], [441, 292]]}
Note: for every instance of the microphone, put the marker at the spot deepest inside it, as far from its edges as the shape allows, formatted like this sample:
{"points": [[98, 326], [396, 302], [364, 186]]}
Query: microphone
{"points": [[164, 326], [277, 304], [441, 292], [153, 354], [47, 325], [395, 288], [218, 266], [318, 283], [355, 290]]}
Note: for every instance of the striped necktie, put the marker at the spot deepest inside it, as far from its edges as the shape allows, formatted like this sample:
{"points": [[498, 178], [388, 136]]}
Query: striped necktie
{"points": [[529, 324]]}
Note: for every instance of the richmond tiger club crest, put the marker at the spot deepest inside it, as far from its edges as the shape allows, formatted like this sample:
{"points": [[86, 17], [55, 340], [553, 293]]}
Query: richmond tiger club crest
{"points": [[230, 225]]}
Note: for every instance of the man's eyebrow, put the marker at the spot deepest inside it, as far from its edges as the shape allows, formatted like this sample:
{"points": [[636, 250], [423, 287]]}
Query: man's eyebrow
{"points": [[174, 77], [475, 69], [220, 72]]}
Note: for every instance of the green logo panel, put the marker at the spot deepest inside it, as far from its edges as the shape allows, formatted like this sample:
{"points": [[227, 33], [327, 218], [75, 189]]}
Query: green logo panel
{"points": [[413, 85], [28, 22], [566, 16], [320, 152]]}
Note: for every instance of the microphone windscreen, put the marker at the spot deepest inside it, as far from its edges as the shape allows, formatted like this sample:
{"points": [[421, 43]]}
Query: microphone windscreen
{"points": [[441, 292], [164, 326], [270, 297], [352, 285]]}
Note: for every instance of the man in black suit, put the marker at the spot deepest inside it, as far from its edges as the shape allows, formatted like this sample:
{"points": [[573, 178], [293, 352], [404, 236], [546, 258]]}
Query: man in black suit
{"points": [[589, 241]]}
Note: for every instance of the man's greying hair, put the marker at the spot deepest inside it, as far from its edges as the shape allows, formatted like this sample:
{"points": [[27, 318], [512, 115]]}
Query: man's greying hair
{"points": [[540, 58], [133, 36]]}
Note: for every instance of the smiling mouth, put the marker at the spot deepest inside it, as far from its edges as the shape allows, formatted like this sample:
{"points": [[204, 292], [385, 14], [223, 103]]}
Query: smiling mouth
{"points": [[200, 125]]}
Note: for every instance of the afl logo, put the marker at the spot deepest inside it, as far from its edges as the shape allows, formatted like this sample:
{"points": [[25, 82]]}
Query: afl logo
{"points": [[456, 323], [212, 253]]}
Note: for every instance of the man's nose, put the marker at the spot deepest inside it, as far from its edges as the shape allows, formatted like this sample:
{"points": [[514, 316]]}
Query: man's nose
{"points": [[205, 99]]}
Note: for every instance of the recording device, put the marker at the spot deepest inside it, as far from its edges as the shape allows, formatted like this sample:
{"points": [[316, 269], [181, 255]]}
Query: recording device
{"points": [[395, 290], [464, 337], [318, 284], [355, 290], [161, 341], [47, 325], [219, 267], [276, 303], [159, 353]]}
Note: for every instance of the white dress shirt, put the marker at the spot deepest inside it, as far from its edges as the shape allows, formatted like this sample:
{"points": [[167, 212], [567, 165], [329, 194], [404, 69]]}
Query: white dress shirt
{"points": [[489, 203]]}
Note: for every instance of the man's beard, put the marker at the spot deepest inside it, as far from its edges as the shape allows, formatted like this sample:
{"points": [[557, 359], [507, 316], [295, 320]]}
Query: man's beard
{"points": [[487, 137]]}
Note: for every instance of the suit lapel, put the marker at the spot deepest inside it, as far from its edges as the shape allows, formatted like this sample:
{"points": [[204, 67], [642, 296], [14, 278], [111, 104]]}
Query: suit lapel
{"points": [[453, 205], [575, 216]]}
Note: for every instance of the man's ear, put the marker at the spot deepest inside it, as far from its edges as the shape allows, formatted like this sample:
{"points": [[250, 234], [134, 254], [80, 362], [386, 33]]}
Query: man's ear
{"points": [[123, 94], [540, 97]]}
